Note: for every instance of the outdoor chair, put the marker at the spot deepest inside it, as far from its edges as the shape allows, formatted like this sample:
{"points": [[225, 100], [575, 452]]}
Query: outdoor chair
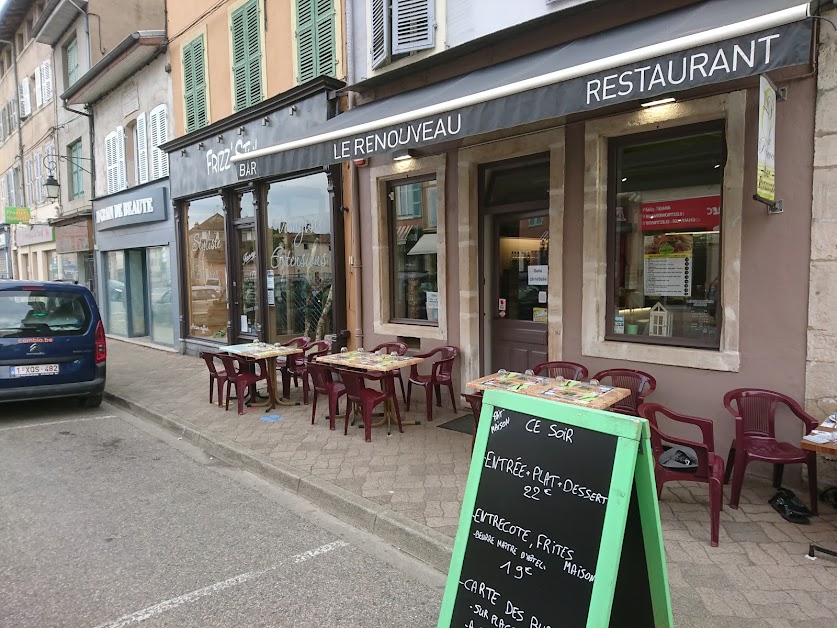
{"points": [[323, 383], [440, 375], [710, 466], [567, 370], [296, 365], [247, 374], [754, 411], [399, 348], [475, 400], [640, 384], [216, 378], [365, 399]]}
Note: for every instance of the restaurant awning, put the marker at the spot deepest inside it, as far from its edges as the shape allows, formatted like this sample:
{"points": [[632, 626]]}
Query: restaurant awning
{"points": [[428, 243], [703, 44]]}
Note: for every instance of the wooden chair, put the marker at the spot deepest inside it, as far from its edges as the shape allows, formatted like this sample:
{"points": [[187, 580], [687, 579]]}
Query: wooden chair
{"points": [[567, 370], [366, 399], [441, 374], [640, 384], [323, 383], [710, 466], [217, 378], [754, 411]]}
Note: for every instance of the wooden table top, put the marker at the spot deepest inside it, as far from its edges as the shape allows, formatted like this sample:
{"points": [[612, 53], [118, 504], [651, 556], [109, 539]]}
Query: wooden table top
{"points": [[369, 361], [259, 350], [821, 448], [567, 391]]}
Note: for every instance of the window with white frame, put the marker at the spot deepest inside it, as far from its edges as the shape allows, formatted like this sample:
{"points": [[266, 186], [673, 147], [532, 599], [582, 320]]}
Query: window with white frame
{"points": [[30, 181], [140, 150], [115, 161], [158, 130], [43, 83], [401, 27], [24, 98]]}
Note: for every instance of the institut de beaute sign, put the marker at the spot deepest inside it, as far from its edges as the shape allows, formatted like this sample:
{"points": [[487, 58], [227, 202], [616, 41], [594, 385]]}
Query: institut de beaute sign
{"points": [[136, 207]]}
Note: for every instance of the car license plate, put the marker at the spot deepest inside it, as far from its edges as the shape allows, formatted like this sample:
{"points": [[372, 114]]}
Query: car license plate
{"points": [[34, 369]]}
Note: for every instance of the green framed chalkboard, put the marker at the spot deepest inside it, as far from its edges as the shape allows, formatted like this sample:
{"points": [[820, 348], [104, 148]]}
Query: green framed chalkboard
{"points": [[560, 524]]}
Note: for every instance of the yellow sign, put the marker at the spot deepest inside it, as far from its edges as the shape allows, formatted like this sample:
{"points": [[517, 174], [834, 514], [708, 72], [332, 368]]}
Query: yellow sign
{"points": [[766, 168], [16, 216]]}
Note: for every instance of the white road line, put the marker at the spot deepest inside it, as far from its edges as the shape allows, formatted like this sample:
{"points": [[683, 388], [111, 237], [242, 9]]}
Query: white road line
{"points": [[162, 607], [89, 418]]}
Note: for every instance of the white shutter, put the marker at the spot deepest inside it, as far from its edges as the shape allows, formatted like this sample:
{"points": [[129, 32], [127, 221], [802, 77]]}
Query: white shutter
{"points": [[159, 135], [25, 104], [46, 80], [39, 96], [39, 179], [4, 198], [122, 175], [141, 153], [380, 32], [12, 187], [413, 25], [29, 173], [111, 163]]}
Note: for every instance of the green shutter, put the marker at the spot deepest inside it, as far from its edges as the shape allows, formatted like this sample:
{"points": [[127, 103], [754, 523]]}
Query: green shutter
{"points": [[246, 56], [315, 38], [77, 172], [72, 63], [194, 85]]}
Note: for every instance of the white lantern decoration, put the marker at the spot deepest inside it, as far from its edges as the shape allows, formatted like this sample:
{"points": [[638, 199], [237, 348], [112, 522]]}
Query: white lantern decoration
{"points": [[660, 322]]}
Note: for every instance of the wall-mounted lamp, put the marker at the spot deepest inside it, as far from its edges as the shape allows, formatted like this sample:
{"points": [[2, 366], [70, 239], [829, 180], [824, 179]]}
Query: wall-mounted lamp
{"points": [[200, 145], [292, 109], [403, 153], [265, 121], [658, 101], [182, 152], [241, 130], [52, 189], [220, 139]]}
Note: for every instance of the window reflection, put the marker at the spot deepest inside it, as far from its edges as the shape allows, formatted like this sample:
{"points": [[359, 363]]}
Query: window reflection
{"points": [[207, 261]]}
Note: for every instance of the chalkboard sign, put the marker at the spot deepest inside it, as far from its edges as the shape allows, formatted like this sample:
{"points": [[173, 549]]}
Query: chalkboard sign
{"points": [[553, 491]]}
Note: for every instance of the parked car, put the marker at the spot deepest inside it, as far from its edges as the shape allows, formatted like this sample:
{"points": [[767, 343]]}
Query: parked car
{"points": [[52, 342]]}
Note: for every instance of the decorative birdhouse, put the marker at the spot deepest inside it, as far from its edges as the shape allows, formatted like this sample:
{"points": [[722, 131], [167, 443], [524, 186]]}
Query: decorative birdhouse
{"points": [[660, 322]]}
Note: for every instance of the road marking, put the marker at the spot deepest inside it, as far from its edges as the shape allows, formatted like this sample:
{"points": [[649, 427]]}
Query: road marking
{"points": [[89, 418], [162, 607]]}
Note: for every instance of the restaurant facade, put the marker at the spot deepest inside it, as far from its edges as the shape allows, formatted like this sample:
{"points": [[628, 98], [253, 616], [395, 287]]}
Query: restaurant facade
{"points": [[593, 200], [262, 249]]}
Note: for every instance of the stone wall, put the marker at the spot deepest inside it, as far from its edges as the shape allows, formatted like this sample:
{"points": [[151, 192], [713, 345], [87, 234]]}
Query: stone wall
{"points": [[821, 374]]}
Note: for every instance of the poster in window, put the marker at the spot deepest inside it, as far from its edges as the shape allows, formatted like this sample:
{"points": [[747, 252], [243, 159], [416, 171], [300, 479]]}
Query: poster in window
{"points": [[668, 265]]}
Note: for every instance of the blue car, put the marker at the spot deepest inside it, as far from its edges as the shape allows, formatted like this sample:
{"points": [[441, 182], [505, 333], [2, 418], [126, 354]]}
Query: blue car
{"points": [[52, 342]]}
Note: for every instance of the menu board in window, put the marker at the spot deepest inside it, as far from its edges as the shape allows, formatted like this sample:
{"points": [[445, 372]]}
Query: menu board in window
{"points": [[560, 523]]}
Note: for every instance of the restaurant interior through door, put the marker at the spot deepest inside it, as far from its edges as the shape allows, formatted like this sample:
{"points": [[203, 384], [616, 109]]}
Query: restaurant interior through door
{"points": [[245, 304]]}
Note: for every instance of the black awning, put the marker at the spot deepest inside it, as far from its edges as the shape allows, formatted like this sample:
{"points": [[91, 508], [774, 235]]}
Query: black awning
{"points": [[712, 42]]}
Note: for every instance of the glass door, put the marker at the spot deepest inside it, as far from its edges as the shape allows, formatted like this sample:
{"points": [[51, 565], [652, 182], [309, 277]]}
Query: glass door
{"points": [[246, 299]]}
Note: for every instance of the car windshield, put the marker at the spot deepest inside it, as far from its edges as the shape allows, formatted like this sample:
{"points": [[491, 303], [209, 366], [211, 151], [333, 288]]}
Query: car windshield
{"points": [[25, 313]]}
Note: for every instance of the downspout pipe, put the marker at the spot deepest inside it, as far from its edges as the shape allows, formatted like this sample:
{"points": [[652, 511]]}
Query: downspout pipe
{"points": [[19, 148]]}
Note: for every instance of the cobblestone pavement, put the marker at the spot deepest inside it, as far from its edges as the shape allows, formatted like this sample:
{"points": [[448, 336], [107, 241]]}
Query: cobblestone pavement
{"points": [[759, 576]]}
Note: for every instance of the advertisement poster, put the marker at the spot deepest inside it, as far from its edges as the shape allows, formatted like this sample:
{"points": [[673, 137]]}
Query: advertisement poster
{"points": [[766, 169], [702, 212], [668, 265]]}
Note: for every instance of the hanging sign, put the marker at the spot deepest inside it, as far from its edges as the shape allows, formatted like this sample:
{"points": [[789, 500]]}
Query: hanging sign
{"points": [[560, 524], [766, 166]]}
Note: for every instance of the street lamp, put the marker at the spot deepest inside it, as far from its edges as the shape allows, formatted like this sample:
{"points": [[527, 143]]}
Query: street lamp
{"points": [[53, 190], [51, 185]]}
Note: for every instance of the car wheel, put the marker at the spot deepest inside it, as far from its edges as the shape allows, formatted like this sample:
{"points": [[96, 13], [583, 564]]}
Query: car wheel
{"points": [[93, 401]]}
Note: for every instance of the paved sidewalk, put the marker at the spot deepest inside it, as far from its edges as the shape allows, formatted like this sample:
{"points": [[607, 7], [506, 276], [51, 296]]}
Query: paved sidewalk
{"points": [[407, 488]]}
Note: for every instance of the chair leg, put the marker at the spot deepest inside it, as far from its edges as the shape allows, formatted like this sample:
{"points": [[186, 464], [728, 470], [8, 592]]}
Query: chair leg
{"points": [[409, 392], [314, 407], [240, 389], [452, 396], [716, 498], [229, 383], [741, 460], [778, 471], [211, 388], [348, 410], [438, 390], [286, 385], [394, 398], [220, 389], [730, 465], [428, 400], [305, 389], [333, 402], [366, 412], [812, 481], [401, 381]]}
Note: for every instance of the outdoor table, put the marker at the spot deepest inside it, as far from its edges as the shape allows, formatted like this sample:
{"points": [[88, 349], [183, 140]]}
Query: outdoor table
{"points": [[829, 449], [379, 363], [269, 353], [566, 391]]}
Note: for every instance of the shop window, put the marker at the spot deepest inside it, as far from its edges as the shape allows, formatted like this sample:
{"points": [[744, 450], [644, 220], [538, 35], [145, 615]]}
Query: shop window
{"points": [[195, 106], [299, 296], [206, 250], [664, 234], [414, 245], [160, 294], [246, 55], [76, 171], [315, 39], [400, 27], [117, 297]]}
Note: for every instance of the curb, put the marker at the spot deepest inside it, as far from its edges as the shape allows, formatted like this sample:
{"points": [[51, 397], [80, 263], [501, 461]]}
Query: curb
{"points": [[410, 537]]}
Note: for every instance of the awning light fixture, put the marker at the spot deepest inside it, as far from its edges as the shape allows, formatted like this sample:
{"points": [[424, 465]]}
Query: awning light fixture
{"points": [[402, 154], [658, 101]]}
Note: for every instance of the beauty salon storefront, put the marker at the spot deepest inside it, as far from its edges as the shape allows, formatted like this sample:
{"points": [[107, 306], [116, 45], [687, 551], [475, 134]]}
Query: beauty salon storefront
{"points": [[262, 248], [593, 202]]}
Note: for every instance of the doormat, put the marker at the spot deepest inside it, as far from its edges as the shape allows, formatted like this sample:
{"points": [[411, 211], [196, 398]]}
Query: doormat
{"points": [[464, 424]]}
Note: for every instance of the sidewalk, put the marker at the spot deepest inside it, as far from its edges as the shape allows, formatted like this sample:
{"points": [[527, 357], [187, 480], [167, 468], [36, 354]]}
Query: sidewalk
{"points": [[407, 488]]}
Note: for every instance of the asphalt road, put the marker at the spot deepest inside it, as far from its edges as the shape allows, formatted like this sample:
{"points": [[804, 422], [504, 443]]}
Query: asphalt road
{"points": [[107, 521]]}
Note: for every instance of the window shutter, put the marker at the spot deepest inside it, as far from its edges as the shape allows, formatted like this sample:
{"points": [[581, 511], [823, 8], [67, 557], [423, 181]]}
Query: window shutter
{"points": [[324, 29], [39, 178], [120, 159], [414, 25], [4, 198], [111, 164], [159, 135], [142, 150], [380, 32], [78, 176], [25, 103], [10, 188], [30, 182], [246, 56], [3, 124], [46, 80], [305, 46], [39, 94], [72, 63]]}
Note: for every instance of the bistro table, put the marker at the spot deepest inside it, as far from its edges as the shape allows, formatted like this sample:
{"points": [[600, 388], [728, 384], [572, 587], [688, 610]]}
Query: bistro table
{"points": [[563, 390], [378, 363], [829, 449], [269, 353]]}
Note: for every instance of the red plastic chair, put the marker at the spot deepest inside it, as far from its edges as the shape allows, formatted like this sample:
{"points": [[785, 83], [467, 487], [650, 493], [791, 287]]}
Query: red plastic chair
{"points": [[710, 466], [440, 375], [245, 376], [399, 348], [754, 411], [323, 382], [640, 384], [299, 343], [475, 401], [366, 399], [216, 377], [297, 367], [567, 370]]}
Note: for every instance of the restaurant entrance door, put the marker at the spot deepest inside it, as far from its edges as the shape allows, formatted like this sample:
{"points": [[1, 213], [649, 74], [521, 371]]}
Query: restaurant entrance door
{"points": [[245, 303]]}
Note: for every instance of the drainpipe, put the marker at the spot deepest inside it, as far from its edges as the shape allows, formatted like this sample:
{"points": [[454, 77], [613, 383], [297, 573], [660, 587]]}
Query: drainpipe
{"points": [[19, 148]]}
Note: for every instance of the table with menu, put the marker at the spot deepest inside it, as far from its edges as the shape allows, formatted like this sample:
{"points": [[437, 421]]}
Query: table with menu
{"points": [[270, 353]]}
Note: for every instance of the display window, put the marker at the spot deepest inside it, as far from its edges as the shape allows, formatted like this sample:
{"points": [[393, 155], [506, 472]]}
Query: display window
{"points": [[206, 252]]}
